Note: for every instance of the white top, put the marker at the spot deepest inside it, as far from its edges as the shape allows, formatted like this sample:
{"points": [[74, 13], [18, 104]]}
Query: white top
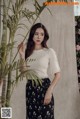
{"points": [[41, 60]]}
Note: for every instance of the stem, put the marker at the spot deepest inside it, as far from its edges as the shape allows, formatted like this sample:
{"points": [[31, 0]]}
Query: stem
{"points": [[3, 55], [3, 97], [9, 78]]}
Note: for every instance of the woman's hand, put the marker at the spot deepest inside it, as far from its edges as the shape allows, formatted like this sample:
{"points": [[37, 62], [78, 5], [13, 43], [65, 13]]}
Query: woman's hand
{"points": [[48, 96], [21, 48]]}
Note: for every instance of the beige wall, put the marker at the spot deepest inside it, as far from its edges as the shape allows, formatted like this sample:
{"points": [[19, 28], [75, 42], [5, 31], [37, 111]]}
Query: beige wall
{"points": [[62, 40]]}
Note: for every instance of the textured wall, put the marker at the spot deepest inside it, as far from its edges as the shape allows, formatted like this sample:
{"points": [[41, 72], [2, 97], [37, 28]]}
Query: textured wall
{"points": [[62, 39]]}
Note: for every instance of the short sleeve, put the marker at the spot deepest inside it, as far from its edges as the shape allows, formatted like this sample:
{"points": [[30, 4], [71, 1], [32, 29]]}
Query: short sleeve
{"points": [[53, 62]]}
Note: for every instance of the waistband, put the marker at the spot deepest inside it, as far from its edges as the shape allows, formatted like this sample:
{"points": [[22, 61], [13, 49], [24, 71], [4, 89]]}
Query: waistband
{"points": [[43, 80], [40, 79]]}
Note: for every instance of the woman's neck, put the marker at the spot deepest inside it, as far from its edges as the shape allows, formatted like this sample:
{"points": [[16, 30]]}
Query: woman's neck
{"points": [[37, 47]]}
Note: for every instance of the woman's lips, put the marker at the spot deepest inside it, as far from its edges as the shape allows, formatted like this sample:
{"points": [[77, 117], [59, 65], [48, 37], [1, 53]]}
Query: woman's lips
{"points": [[38, 40]]}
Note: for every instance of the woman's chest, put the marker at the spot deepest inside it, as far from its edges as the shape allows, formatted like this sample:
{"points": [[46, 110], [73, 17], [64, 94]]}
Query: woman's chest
{"points": [[38, 60]]}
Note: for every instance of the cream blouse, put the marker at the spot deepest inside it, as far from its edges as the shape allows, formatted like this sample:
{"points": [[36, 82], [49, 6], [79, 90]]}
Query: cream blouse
{"points": [[41, 60]]}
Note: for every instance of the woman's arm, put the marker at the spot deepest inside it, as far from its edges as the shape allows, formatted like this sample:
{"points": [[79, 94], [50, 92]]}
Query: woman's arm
{"points": [[55, 80], [55, 69], [23, 64], [49, 92]]}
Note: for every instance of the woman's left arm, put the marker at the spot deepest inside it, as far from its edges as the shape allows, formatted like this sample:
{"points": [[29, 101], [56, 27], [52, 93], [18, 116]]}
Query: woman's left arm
{"points": [[49, 91], [54, 82]]}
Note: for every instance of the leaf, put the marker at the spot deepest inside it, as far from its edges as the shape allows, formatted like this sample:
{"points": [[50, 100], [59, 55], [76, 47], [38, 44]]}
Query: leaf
{"points": [[37, 6], [17, 73], [14, 66], [33, 76], [19, 27], [21, 24], [20, 35], [6, 69], [13, 9], [49, 11]]}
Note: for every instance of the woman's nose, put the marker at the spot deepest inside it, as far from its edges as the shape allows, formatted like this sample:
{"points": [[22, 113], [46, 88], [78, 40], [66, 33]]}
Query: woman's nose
{"points": [[38, 36]]}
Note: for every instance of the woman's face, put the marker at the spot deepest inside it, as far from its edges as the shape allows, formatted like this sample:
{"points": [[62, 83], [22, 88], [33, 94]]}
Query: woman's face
{"points": [[38, 36]]}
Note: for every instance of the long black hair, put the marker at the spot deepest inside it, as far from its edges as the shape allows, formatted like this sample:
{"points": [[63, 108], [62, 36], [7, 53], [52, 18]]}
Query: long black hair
{"points": [[30, 42]]}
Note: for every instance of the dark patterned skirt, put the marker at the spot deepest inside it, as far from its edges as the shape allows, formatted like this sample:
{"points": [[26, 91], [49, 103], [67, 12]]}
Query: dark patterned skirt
{"points": [[35, 109]]}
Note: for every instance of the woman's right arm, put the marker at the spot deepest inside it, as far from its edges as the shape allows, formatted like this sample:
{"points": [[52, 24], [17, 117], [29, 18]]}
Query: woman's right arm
{"points": [[22, 65], [21, 48]]}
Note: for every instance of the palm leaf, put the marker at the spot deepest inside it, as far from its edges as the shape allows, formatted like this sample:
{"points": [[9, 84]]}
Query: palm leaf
{"points": [[17, 74], [24, 25], [30, 74], [19, 27], [49, 10], [20, 35]]}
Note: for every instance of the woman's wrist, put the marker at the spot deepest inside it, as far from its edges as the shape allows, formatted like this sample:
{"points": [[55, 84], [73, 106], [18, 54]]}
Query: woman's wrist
{"points": [[50, 89], [22, 57]]}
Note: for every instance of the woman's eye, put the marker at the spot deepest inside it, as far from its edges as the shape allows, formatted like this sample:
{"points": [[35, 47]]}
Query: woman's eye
{"points": [[36, 33], [42, 34]]}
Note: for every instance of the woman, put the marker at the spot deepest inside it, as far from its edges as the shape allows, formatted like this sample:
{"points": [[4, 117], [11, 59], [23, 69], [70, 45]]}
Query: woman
{"points": [[38, 57]]}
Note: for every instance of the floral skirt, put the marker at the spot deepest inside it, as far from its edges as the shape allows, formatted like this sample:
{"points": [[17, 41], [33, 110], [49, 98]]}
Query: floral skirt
{"points": [[35, 109]]}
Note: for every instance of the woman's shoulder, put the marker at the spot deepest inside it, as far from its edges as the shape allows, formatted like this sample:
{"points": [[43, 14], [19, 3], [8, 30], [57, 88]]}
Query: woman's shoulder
{"points": [[50, 50]]}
